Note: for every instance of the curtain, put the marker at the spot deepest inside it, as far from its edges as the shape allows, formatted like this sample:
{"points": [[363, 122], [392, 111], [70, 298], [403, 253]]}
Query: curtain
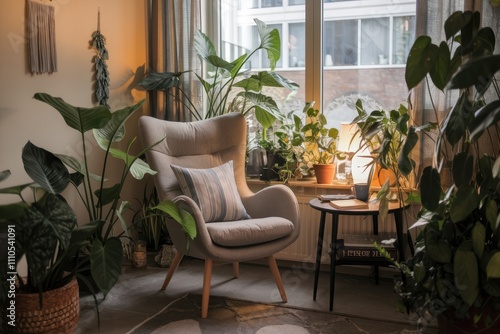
{"points": [[430, 17], [171, 28]]}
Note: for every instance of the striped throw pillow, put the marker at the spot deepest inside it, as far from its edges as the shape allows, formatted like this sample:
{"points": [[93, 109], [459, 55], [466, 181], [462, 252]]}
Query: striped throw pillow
{"points": [[214, 190]]}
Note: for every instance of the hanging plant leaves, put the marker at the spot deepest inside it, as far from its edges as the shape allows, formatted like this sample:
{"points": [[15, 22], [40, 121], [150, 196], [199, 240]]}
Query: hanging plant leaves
{"points": [[101, 68]]}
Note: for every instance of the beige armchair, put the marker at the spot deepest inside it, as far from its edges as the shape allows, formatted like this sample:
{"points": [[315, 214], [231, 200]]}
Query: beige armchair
{"points": [[273, 211]]}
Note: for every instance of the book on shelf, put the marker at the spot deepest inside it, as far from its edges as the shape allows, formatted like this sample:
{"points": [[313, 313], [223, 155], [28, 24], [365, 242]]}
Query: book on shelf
{"points": [[360, 247], [349, 204]]}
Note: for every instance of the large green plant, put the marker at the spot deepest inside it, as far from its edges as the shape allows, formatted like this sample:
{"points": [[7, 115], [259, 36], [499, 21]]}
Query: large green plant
{"points": [[226, 87], [456, 266], [101, 201], [43, 230]]}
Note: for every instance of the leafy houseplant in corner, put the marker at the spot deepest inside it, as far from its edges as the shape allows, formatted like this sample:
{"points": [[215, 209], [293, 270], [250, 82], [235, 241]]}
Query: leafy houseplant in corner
{"points": [[454, 274], [46, 233], [313, 143], [227, 88], [102, 202]]}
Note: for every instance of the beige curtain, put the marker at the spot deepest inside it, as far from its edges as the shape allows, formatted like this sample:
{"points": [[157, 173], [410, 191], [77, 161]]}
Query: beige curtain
{"points": [[431, 16], [171, 28]]}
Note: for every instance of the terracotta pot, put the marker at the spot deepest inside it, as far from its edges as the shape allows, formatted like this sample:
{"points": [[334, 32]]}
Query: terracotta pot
{"points": [[325, 173], [59, 313]]}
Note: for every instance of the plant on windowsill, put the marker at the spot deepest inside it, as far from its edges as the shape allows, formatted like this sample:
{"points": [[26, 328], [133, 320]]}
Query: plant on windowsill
{"points": [[312, 143], [454, 274], [227, 88]]}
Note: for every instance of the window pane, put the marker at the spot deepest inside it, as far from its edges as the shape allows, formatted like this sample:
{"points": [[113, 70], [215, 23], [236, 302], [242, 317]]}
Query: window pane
{"points": [[375, 41], [340, 43], [404, 28], [297, 45]]}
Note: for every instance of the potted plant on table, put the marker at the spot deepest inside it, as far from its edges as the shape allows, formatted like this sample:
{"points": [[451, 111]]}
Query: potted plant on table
{"points": [[454, 274]]}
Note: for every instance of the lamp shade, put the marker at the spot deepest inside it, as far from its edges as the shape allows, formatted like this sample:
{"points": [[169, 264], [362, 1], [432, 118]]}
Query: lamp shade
{"points": [[350, 142], [350, 139]]}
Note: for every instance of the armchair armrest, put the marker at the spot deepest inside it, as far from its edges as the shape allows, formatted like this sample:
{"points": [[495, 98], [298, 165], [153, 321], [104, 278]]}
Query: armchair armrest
{"points": [[276, 200]]}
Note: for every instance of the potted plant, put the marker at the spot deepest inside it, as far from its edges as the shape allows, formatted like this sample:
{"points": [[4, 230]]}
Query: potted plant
{"points": [[102, 202], [454, 273], [312, 143], [45, 232], [227, 87]]}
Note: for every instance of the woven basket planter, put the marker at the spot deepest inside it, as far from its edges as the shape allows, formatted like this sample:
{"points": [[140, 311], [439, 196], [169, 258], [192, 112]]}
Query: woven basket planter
{"points": [[59, 314]]}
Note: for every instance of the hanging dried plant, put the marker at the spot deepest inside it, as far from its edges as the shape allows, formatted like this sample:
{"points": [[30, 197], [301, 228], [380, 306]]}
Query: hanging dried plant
{"points": [[101, 68]]}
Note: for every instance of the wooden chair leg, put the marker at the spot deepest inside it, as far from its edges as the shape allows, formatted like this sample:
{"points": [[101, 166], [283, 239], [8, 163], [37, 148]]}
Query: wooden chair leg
{"points": [[236, 269], [175, 263], [277, 277], [207, 276]]}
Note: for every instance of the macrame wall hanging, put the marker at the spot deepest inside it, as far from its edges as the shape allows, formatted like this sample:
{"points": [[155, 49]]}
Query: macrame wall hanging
{"points": [[101, 68], [41, 37]]}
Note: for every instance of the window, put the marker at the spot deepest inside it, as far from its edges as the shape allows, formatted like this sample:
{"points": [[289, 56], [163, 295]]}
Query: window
{"points": [[364, 48]]}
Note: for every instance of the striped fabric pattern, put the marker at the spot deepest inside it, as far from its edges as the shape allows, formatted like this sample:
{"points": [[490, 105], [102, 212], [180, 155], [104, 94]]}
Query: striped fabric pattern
{"points": [[214, 190]]}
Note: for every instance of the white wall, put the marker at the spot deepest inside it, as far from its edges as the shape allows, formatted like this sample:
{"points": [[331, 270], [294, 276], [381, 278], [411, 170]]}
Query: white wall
{"points": [[22, 118]]}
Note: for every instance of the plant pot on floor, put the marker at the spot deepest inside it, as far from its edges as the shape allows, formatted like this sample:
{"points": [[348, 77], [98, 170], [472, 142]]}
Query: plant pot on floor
{"points": [[325, 173], [59, 313]]}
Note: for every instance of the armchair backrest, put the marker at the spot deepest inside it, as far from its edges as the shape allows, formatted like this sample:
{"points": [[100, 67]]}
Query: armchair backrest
{"points": [[199, 144]]}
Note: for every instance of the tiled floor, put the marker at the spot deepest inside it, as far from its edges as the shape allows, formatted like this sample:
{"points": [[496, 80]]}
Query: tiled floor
{"points": [[137, 296]]}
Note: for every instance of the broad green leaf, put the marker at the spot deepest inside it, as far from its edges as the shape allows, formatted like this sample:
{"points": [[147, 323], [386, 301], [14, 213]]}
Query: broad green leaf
{"points": [[484, 118], [457, 121], [108, 195], [455, 22], [420, 60], [419, 272], [220, 63], [45, 168], [184, 218], [437, 248], [106, 263], [462, 168], [478, 239], [476, 72], [114, 130], [465, 270], [60, 216], [465, 202], [430, 188], [269, 41], [203, 46], [440, 71], [161, 81], [80, 119], [493, 266], [188, 224], [405, 163]]}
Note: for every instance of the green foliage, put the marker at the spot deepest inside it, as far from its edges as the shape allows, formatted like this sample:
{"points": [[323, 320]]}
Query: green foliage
{"points": [[455, 266], [306, 141], [226, 88], [46, 233]]}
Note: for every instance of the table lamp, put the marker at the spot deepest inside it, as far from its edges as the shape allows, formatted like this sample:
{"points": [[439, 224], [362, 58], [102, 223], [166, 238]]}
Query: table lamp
{"points": [[350, 143]]}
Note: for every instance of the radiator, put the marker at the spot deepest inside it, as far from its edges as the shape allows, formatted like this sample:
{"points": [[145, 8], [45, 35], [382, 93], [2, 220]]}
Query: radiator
{"points": [[304, 248]]}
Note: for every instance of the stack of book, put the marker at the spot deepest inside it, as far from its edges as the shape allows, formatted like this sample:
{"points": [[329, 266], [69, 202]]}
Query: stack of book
{"points": [[360, 246]]}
